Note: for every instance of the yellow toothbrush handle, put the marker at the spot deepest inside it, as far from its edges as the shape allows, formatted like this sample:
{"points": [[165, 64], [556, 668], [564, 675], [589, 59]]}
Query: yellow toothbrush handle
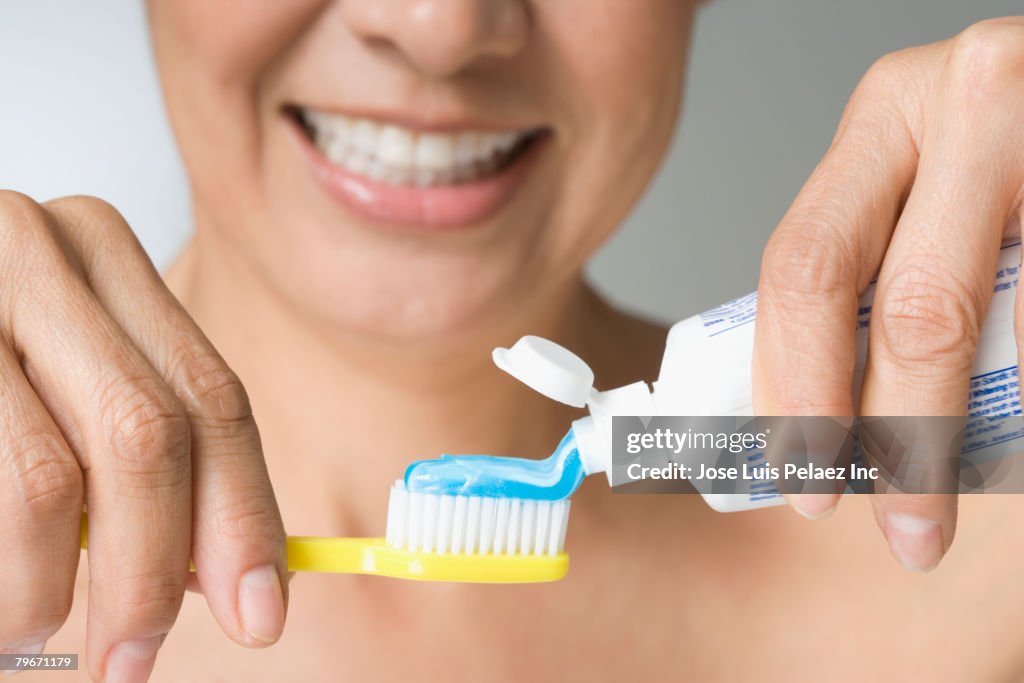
{"points": [[374, 556]]}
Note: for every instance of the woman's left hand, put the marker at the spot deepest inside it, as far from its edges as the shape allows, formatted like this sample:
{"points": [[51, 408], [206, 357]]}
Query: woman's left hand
{"points": [[923, 179]]}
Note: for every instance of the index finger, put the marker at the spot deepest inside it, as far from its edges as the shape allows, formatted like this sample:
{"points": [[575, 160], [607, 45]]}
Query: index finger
{"points": [[820, 259], [238, 540]]}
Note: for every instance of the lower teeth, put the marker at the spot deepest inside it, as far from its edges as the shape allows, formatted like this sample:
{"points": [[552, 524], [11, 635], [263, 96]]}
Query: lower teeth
{"points": [[374, 170]]}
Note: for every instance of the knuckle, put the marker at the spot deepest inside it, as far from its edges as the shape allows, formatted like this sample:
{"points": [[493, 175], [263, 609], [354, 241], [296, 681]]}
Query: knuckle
{"points": [[28, 245], [791, 403], [46, 480], [987, 56], [148, 597], [16, 204], [886, 93], [887, 71], [22, 221], [810, 395], [147, 429], [33, 618], [217, 394], [925, 318], [87, 205], [803, 265], [250, 517], [98, 219]]}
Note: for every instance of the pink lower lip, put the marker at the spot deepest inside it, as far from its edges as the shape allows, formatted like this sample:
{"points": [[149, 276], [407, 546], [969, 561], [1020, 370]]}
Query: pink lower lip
{"points": [[438, 207]]}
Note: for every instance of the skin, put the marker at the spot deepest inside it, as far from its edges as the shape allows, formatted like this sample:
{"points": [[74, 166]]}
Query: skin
{"points": [[931, 167], [330, 330]]}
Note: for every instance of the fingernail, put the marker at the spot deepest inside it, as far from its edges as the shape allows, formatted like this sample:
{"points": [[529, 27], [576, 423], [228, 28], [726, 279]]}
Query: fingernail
{"points": [[132, 661], [814, 505], [23, 649], [915, 541], [261, 604], [36, 649]]}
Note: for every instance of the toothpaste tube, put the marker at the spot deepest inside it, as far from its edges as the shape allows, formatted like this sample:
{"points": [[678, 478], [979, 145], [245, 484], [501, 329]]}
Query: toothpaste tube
{"points": [[706, 370]]}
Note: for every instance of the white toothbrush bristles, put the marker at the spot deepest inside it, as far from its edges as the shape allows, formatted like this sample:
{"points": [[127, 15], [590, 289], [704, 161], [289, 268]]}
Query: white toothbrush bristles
{"points": [[475, 524]]}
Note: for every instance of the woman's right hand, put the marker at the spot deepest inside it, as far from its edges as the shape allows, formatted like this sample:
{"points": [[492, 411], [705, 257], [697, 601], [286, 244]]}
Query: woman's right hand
{"points": [[111, 396]]}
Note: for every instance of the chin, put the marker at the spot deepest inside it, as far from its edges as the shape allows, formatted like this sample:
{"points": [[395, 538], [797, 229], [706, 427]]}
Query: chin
{"points": [[394, 300]]}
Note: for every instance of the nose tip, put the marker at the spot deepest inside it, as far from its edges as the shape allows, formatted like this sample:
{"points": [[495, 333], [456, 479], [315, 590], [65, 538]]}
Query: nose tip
{"points": [[441, 37]]}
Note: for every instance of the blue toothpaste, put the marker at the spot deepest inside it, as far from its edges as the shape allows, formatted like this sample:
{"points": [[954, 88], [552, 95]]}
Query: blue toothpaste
{"points": [[554, 478]]}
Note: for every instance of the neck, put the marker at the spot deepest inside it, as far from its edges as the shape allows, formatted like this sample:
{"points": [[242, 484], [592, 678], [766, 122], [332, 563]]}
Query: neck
{"points": [[341, 414]]}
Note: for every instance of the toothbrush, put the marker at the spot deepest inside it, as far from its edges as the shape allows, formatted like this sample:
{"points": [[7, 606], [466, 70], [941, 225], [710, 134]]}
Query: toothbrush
{"points": [[376, 556], [470, 539], [472, 519]]}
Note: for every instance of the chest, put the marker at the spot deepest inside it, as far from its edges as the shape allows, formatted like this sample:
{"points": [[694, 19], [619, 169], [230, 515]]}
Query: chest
{"points": [[673, 602]]}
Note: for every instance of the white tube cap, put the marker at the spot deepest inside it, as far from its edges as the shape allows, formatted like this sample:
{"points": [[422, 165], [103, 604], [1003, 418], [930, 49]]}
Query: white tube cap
{"points": [[547, 368]]}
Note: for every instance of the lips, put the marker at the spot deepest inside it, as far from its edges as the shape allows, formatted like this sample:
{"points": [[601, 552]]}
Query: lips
{"points": [[404, 177]]}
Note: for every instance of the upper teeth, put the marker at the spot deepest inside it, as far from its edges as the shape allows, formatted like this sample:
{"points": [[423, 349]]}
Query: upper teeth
{"points": [[401, 156]]}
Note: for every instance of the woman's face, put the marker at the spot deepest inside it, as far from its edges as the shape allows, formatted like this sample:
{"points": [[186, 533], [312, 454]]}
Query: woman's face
{"points": [[417, 167]]}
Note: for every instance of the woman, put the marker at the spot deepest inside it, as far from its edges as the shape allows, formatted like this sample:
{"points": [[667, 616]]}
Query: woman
{"points": [[384, 190]]}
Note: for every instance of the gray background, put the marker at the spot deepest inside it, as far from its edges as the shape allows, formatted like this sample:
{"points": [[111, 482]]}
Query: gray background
{"points": [[80, 113]]}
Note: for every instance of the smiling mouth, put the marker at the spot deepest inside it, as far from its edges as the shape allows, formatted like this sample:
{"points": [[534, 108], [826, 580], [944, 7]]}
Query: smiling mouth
{"points": [[403, 157]]}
